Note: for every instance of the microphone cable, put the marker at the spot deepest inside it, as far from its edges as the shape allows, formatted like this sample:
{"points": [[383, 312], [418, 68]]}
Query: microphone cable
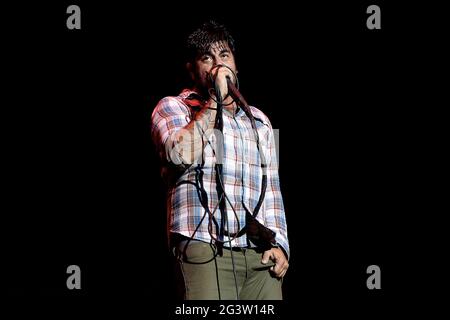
{"points": [[223, 197], [221, 187]]}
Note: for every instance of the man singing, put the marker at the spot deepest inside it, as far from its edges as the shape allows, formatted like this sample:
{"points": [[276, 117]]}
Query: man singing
{"points": [[226, 219]]}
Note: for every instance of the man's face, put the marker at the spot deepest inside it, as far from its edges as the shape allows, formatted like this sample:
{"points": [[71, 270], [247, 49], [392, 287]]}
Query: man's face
{"points": [[219, 53]]}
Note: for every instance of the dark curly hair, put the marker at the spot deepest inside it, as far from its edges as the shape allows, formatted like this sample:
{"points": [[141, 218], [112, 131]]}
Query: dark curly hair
{"points": [[199, 42]]}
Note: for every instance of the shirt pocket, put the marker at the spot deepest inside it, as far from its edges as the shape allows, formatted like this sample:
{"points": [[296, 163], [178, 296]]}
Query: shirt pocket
{"points": [[252, 165]]}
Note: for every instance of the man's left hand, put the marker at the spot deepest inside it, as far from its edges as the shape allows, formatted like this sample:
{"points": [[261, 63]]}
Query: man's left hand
{"points": [[277, 256]]}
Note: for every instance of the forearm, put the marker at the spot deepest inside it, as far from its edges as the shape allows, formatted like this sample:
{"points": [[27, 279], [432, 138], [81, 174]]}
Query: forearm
{"points": [[187, 143]]}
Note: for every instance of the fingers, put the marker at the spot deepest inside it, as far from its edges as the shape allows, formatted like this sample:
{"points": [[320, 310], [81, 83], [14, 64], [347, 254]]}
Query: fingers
{"points": [[266, 256], [224, 72], [220, 74], [281, 263], [280, 268]]}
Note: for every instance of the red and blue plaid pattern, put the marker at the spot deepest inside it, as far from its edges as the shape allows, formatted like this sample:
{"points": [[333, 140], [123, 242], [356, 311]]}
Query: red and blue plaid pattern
{"points": [[242, 172]]}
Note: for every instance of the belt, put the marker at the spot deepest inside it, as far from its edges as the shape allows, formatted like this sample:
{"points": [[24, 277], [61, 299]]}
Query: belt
{"points": [[176, 239]]}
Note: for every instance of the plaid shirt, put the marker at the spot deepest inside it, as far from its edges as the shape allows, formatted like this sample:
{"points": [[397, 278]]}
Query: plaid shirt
{"points": [[242, 172]]}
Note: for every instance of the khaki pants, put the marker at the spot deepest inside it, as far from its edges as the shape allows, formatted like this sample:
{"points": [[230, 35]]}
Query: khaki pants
{"points": [[202, 276]]}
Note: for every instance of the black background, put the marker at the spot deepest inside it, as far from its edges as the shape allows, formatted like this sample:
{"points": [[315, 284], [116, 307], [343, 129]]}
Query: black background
{"points": [[82, 181]]}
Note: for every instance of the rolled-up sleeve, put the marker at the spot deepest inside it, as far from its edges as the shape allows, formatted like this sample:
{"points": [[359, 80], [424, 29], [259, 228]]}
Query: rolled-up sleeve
{"points": [[168, 117]]}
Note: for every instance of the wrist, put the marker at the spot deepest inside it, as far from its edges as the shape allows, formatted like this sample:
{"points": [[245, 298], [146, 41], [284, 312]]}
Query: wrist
{"points": [[206, 117]]}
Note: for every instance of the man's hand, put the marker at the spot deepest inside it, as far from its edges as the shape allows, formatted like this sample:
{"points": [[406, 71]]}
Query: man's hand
{"points": [[277, 256], [221, 80]]}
